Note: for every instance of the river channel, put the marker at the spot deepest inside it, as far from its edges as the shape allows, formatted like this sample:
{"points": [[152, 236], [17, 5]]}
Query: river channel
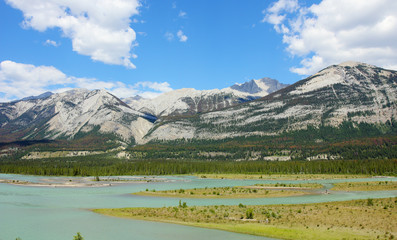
{"points": [[49, 213]]}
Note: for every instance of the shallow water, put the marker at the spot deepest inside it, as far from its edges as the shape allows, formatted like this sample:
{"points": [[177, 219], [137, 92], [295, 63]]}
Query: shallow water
{"points": [[58, 213]]}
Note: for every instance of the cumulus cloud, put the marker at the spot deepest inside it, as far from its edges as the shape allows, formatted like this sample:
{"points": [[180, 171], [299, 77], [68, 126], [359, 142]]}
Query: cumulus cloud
{"points": [[182, 37], [99, 29], [335, 31], [49, 42], [18, 80], [275, 14], [21, 80]]}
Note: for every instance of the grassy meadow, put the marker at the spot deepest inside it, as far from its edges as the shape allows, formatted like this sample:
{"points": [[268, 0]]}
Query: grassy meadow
{"points": [[357, 219], [365, 186], [256, 191]]}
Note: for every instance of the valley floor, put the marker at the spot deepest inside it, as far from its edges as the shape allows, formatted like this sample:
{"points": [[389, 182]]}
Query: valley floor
{"points": [[356, 219]]}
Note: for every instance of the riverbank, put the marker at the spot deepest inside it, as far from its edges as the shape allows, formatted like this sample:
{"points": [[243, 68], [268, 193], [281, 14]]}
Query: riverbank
{"points": [[360, 219], [255, 191], [282, 176], [365, 186], [76, 182]]}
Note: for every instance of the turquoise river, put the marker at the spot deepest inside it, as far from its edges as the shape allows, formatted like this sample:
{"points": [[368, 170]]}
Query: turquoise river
{"points": [[58, 213]]}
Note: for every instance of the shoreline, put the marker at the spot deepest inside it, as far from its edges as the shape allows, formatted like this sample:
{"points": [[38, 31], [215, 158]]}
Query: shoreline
{"points": [[76, 183], [238, 192], [223, 197], [285, 176]]}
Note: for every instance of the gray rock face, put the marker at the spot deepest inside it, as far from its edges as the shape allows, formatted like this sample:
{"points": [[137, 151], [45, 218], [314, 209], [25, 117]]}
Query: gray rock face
{"points": [[354, 92], [187, 102], [67, 114], [268, 85], [273, 84], [248, 87], [43, 95]]}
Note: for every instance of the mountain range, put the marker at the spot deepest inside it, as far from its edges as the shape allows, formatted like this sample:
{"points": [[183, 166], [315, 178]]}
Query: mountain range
{"points": [[189, 101], [353, 92], [80, 112], [349, 92]]}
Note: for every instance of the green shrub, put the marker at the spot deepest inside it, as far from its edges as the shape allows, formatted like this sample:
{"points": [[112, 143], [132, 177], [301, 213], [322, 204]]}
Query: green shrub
{"points": [[78, 237], [249, 213]]}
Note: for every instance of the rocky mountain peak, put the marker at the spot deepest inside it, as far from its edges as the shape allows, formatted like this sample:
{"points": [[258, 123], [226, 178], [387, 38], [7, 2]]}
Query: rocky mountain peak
{"points": [[261, 86], [188, 101], [247, 87], [354, 64], [349, 92], [41, 96], [71, 113]]}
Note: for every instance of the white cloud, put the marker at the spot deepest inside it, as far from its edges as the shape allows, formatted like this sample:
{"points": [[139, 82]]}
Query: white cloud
{"points": [[137, 21], [21, 80], [49, 42], [18, 80], [335, 31], [169, 36], [182, 14], [99, 29], [160, 87], [182, 37], [274, 12]]}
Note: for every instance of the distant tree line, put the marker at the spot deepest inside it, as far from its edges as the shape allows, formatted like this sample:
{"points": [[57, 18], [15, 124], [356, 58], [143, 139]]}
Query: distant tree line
{"points": [[107, 167]]}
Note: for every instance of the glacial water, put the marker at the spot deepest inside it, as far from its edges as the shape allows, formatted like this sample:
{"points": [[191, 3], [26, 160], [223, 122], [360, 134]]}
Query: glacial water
{"points": [[57, 213]]}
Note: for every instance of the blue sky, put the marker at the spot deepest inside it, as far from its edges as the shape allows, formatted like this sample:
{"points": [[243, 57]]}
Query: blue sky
{"points": [[153, 46]]}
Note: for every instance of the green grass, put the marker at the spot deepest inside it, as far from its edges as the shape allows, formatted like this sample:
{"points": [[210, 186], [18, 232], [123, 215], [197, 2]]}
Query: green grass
{"points": [[289, 232], [256, 191], [357, 219], [282, 176], [365, 186]]}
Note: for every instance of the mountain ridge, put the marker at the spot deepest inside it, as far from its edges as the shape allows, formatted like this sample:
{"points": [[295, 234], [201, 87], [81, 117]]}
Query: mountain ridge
{"points": [[188, 101], [79, 111], [349, 92]]}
